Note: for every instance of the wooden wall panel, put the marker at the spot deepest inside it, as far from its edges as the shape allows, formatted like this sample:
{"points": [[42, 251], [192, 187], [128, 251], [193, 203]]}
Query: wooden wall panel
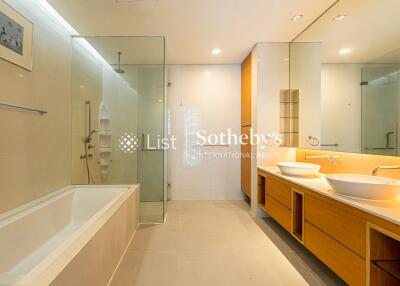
{"points": [[246, 164], [246, 125], [246, 91]]}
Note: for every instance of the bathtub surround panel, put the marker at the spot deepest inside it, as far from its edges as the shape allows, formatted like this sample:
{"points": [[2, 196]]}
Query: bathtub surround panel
{"points": [[351, 162], [97, 261], [35, 151], [76, 237]]}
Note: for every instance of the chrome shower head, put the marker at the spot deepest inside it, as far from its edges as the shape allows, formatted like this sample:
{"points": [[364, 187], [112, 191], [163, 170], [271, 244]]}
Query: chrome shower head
{"points": [[119, 70]]}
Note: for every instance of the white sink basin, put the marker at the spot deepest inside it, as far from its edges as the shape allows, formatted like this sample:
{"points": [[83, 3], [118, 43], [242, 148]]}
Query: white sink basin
{"points": [[364, 187], [299, 169]]}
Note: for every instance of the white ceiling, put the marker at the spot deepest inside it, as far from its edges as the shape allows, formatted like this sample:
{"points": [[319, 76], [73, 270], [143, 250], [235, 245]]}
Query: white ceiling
{"points": [[135, 50], [192, 28], [371, 30]]}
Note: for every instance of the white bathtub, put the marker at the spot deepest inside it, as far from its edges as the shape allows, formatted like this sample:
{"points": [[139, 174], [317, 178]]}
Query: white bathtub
{"points": [[39, 245]]}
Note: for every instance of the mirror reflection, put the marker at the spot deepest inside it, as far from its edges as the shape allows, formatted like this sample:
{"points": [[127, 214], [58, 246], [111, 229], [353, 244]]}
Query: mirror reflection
{"points": [[348, 87]]}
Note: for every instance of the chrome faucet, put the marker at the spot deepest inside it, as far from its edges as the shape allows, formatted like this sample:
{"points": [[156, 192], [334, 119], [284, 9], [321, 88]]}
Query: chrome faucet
{"points": [[375, 171]]}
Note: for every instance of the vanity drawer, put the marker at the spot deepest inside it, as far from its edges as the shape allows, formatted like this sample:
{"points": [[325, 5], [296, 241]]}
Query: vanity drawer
{"points": [[345, 263], [279, 212], [340, 225], [279, 191]]}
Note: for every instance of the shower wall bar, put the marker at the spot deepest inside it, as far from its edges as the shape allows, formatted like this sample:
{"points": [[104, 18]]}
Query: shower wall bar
{"points": [[41, 112]]}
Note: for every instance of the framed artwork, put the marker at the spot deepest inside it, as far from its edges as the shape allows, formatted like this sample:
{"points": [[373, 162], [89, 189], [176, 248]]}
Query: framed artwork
{"points": [[16, 37]]}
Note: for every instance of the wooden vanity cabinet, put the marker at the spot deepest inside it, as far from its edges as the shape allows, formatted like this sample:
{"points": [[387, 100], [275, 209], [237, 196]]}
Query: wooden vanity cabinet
{"points": [[279, 190], [278, 201], [279, 212], [383, 256], [340, 235], [339, 258], [342, 226], [298, 222]]}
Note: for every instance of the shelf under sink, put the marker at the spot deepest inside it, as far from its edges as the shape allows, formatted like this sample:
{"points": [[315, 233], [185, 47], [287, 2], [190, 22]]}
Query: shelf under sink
{"points": [[391, 267]]}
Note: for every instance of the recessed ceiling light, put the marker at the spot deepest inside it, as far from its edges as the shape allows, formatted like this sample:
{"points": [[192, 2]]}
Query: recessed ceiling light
{"points": [[296, 17], [339, 17], [344, 51], [216, 51], [207, 73]]}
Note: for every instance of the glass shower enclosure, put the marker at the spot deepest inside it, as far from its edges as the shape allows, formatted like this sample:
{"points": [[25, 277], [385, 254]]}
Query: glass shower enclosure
{"points": [[119, 115], [380, 89]]}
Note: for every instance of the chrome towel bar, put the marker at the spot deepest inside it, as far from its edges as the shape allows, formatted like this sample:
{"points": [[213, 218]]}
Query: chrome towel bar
{"points": [[41, 112], [214, 145]]}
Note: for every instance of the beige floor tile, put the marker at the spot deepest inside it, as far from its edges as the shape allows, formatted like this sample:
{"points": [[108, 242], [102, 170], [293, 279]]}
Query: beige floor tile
{"points": [[146, 266], [217, 243]]}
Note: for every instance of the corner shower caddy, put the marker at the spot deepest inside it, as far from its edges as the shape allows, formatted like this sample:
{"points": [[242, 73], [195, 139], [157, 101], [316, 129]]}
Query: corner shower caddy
{"points": [[105, 139]]}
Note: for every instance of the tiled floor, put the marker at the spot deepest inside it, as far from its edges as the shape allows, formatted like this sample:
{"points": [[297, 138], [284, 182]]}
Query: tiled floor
{"points": [[217, 243]]}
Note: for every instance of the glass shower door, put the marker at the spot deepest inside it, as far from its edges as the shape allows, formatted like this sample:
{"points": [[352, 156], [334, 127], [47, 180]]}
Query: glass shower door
{"points": [[380, 103], [118, 116], [151, 154]]}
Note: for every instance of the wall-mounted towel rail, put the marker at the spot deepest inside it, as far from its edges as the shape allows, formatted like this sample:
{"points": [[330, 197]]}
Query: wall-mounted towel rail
{"points": [[330, 145], [215, 145], [41, 112]]}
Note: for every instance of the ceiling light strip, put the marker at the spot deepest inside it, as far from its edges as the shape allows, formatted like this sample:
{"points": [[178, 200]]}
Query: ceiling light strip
{"points": [[44, 5]]}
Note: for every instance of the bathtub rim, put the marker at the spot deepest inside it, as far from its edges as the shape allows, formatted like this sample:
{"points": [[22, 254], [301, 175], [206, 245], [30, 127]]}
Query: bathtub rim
{"points": [[36, 204], [52, 265]]}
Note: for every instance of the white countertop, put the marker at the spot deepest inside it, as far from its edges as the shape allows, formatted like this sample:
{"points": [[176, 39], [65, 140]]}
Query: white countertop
{"points": [[389, 211]]}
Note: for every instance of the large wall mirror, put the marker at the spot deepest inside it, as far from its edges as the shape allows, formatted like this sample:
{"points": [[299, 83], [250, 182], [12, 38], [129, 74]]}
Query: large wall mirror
{"points": [[345, 76]]}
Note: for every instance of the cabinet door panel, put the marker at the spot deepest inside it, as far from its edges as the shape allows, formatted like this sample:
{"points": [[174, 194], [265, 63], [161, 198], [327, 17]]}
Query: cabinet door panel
{"points": [[280, 191], [342, 226], [345, 263], [280, 213]]}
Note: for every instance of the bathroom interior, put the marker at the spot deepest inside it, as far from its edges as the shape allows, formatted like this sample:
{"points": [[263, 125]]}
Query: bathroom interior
{"points": [[105, 178]]}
